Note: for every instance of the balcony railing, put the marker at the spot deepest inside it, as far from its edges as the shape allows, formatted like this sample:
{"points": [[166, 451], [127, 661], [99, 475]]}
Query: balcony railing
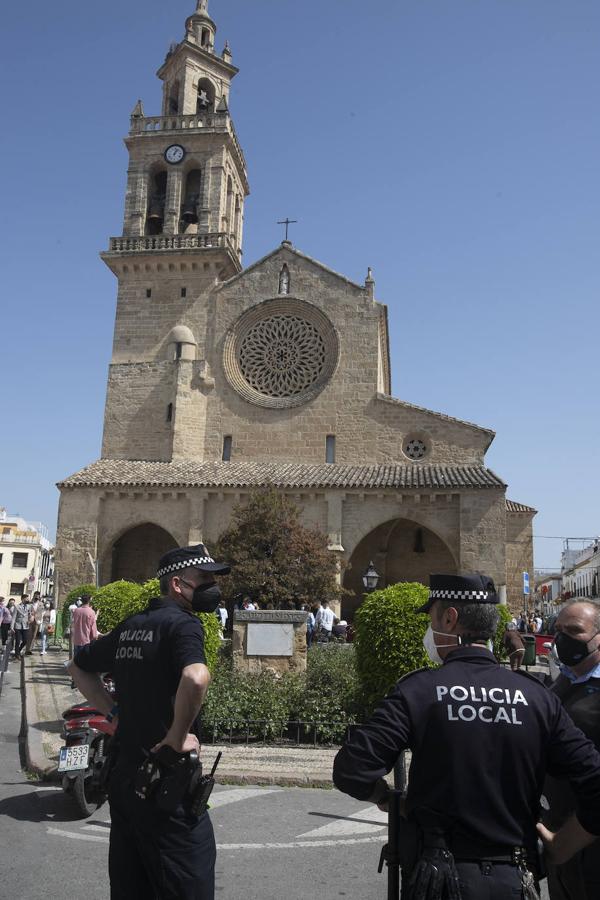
{"points": [[19, 538], [199, 122], [157, 242]]}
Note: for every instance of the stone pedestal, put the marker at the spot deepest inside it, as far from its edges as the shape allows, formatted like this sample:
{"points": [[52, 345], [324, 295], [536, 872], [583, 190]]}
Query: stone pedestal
{"points": [[269, 639]]}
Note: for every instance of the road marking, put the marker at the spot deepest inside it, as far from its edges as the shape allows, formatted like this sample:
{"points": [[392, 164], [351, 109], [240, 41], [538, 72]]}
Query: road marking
{"points": [[77, 837], [42, 790], [294, 844], [290, 845], [376, 821], [102, 828], [238, 794]]}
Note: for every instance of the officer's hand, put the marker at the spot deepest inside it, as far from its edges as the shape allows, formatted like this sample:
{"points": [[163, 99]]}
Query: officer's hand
{"points": [[189, 744]]}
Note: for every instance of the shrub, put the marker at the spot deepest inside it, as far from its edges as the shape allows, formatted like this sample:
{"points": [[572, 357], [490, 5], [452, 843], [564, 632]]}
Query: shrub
{"points": [[332, 695], [389, 637], [116, 601], [500, 650], [328, 695]]}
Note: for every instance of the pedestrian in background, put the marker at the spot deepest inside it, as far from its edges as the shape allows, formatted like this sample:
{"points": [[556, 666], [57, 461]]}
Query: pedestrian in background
{"points": [[577, 644], [83, 624], [5, 620], [23, 614], [514, 646], [46, 627], [324, 620], [34, 621]]}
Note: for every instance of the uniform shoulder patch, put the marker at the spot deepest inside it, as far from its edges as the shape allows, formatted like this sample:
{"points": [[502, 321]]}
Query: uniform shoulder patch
{"points": [[534, 677], [416, 672]]}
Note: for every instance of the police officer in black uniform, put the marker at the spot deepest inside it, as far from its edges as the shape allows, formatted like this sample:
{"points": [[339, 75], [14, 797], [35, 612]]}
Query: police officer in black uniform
{"points": [[159, 667], [482, 739]]}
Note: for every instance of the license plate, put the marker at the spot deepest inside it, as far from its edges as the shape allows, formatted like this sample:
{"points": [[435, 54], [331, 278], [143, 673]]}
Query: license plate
{"points": [[72, 758]]}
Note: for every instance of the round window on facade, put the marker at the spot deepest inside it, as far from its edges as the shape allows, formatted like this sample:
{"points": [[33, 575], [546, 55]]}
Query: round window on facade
{"points": [[416, 448], [281, 353]]}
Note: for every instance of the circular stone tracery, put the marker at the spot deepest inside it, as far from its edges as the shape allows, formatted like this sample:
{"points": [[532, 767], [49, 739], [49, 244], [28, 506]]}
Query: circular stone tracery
{"points": [[281, 353], [415, 448], [282, 356]]}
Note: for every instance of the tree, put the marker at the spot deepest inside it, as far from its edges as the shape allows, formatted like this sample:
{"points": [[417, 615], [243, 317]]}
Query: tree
{"points": [[273, 557]]}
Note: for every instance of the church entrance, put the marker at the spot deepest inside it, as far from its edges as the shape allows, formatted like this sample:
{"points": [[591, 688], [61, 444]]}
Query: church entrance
{"points": [[401, 550], [136, 553]]}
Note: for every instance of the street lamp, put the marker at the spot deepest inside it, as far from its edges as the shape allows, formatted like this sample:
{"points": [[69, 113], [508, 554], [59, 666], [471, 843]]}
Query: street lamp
{"points": [[371, 577]]}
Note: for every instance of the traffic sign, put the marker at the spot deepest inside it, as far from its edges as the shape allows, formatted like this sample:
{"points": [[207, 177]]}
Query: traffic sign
{"points": [[525, 582]]}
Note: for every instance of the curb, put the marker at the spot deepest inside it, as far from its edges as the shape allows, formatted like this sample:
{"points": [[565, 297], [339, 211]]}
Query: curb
{"points": [[274, 780], [35, 757]]}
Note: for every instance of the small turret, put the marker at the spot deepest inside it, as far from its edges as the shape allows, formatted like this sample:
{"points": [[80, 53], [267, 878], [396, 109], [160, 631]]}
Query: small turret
{"points": [[200, 28]]}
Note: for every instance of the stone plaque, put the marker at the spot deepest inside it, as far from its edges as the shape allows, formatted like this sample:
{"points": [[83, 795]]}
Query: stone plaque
{"points": [[270, 639]]}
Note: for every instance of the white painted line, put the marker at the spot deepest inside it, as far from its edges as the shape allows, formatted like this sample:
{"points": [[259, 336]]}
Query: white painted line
{"points": [[235, 796], [77, 837], [372, 820], [42, 790], [103, 828], [292, 845]]}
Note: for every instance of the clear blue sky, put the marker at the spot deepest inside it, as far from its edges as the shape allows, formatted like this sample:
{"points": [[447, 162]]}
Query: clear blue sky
{"points": [[452, 145]]}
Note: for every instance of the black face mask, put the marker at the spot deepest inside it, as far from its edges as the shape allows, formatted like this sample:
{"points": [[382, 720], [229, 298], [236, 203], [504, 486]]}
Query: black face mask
{"points": [[206, 598], [570, 650]]}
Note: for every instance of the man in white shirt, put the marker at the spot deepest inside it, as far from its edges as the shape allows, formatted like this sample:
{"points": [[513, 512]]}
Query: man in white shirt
{"points": [[324, 618], [222, 614]]}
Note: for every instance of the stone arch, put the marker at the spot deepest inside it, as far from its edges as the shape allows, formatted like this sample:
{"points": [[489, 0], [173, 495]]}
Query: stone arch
{"points": [[402, 550], [134, 555]]}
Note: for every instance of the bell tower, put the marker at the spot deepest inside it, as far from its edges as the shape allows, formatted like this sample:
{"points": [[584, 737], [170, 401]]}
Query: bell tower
{"points": [[187, 173], [182, 235]]}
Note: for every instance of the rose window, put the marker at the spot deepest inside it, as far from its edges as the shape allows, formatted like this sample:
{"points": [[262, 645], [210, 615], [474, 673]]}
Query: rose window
{"points": [[414, 448], [282, 356], [281, 353]]}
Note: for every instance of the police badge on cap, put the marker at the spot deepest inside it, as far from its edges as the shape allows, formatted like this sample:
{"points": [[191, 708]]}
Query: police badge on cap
{"points": [[195, 557], [460, 589]]}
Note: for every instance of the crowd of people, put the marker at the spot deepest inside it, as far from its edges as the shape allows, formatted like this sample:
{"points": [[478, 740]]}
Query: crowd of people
{"points": [[322, 626], [32, 618]]}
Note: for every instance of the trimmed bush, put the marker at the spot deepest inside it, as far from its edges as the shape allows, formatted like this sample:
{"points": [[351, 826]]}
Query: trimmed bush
{"points": [[328, 695], [116, 601], [389, 637]]}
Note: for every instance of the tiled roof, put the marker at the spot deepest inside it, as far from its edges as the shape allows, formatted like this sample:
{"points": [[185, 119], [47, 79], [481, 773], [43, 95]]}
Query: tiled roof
{"points": [[123, 472], [512, 506]]}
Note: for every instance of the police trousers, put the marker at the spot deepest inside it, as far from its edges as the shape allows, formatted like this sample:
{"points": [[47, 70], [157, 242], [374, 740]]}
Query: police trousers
{"points": [[154, 855], [488, 880]]}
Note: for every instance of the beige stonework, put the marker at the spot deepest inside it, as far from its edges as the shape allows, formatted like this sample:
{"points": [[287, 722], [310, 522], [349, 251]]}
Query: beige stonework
{"points": [[224, 379]]}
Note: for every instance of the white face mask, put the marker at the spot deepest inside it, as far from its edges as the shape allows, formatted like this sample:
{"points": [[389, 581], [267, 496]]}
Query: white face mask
{"points": [[431, 648]]}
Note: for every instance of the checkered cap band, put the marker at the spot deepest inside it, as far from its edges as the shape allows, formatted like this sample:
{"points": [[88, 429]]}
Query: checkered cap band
{"points": [[458, 595], [184, 564]]}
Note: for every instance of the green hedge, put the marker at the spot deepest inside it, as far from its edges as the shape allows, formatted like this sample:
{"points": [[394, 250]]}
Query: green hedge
{"points": [[389, 637], [328, 695]]}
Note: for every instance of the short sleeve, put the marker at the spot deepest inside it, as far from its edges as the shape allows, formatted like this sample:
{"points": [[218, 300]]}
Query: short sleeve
{"points": [[187, 643], [99, 656]]}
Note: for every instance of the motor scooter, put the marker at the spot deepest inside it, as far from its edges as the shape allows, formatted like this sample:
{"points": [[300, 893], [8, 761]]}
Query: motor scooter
{"points": [[84, 756]]}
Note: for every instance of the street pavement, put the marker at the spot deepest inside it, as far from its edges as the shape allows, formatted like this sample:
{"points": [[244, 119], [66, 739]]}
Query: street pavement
{"points": [[273, 842]]}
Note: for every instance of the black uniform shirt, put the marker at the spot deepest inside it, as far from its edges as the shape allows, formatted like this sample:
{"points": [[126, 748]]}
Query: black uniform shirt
{"points": [[482, 739], [582, 702], [146, 655]]}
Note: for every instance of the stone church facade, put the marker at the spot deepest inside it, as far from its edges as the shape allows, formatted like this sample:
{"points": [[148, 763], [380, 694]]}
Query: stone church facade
{"points": [[224, 380]]}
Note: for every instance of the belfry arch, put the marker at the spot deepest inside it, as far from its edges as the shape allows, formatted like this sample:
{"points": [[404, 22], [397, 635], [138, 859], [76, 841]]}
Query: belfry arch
{"points": [[401, 550], [134, 555]]}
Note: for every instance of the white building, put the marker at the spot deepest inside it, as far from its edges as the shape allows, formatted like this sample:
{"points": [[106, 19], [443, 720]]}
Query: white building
{"points": [[26, 557], [581, 571], [548, 591]]}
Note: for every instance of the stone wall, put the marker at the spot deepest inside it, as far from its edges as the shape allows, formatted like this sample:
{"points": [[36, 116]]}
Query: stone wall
{"points": [[519, 556]]}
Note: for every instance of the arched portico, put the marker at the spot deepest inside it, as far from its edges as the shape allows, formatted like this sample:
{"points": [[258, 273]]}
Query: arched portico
{"points": [[134, 555], [402, 550]]}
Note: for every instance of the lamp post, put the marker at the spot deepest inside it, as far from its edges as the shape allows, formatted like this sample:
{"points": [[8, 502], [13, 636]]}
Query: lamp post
{"points": [[370, 578]]}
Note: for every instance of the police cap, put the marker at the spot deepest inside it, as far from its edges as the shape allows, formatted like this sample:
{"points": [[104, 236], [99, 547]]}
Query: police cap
{"points": [[194, 557], [460, 589]]}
